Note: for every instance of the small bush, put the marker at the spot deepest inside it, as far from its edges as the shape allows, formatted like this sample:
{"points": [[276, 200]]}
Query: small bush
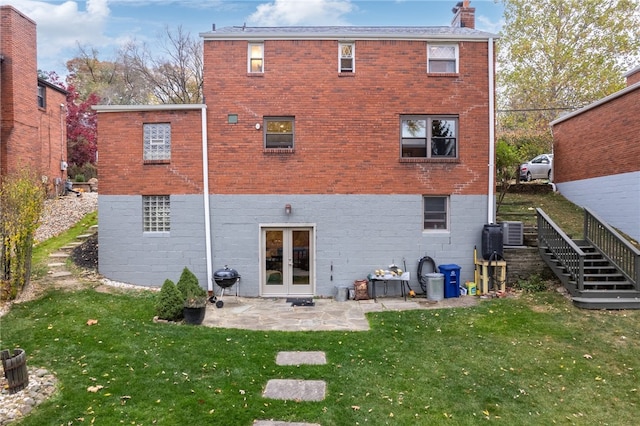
{"points": [[189, 286], [170, 302], [534, 284]]}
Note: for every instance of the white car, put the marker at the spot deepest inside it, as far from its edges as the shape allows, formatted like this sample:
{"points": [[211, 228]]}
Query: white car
{"points": [[538, 168]]}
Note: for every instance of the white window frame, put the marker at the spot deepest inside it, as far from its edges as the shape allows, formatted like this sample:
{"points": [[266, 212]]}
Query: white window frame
{"points": [[423, 137], [251, 58], [434, 58], [352, 57], [156, 213], [439, 219], [42, 96], [280, 145], [156, 141]]}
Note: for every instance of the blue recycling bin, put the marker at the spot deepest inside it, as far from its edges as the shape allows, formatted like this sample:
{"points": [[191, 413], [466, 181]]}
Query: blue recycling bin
{"points": [[451, 280]]}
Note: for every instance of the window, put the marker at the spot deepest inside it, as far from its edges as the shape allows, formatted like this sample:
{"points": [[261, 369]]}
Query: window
{"points": [[256, 57], [157, 141], [278, 132], [347, 57], [42, 96], [442, 58], [156, 213], [435, 213], [429, 136]]}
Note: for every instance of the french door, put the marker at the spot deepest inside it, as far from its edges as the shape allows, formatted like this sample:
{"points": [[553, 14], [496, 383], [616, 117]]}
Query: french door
{"points": [[287, 261]]}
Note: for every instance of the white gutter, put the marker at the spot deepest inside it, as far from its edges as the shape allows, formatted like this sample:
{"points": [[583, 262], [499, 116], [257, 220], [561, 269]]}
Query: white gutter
{"points": [[205, 199], [492, 185]]}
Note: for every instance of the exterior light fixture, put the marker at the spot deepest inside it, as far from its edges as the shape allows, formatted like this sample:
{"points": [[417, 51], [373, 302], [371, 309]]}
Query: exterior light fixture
{"points": [[287, 209]]}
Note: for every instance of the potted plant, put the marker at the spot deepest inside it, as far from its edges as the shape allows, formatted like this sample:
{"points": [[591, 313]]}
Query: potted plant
{"points": [[194, 297], [195, 306]]}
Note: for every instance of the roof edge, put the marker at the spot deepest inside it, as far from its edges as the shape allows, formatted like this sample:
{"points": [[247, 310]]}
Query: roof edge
{"points": [[142, 108], [597, 103]]}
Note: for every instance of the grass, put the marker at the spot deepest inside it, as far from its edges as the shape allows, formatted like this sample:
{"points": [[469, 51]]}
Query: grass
{"points": [[41, 252], [521, 207], [535, 359]]}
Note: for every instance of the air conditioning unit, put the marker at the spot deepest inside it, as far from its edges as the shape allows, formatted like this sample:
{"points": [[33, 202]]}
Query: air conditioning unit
{"points": [[512, 233]]}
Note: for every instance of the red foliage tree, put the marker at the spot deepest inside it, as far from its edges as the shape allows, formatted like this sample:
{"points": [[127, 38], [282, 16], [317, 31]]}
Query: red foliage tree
{"points": [[82, 128]]}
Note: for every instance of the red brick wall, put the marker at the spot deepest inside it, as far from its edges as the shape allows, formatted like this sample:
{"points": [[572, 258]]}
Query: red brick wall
{"points": [[346, 127], [120, 143], [31, 136], [602, 141], [633, 78], [19, 84]]}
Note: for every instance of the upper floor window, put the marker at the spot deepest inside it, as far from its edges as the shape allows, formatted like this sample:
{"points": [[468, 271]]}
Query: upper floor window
{"points": [[156, 213], [442, 58], [278, 132], [435, 213], [42, 96], [429, 136], [256, 58], [157, 141], [347, 57]]}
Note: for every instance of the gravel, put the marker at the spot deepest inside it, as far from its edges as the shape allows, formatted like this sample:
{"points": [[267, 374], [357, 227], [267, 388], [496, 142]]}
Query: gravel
{"points": [[62, 213]]}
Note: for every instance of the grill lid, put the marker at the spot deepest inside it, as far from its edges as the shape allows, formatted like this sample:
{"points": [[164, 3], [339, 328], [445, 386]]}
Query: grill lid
{"points": [[225, 273]]}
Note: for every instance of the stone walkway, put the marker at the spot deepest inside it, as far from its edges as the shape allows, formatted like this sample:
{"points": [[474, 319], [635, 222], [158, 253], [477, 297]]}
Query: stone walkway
{"points": [[326, 314]]}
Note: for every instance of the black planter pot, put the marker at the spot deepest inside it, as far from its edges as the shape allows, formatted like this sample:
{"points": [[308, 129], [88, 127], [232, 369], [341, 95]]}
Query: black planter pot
{"points": [[194, 315]]}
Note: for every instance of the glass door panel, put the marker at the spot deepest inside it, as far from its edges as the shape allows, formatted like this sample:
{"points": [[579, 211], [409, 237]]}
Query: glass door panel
{"points": [[287, 262]]}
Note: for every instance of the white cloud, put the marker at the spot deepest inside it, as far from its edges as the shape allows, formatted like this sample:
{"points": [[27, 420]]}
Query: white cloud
{"points": [[63, 26], [296, 12], [485, 24]]}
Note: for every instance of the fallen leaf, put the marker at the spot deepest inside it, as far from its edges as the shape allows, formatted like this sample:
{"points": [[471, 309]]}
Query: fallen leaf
{"points": [[94, 389], [355, 407], [92, 322], [587, 356]]}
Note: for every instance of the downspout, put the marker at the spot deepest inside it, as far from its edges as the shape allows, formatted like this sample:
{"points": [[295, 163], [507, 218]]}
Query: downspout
{"points": [[205, 200], [492, 166]]}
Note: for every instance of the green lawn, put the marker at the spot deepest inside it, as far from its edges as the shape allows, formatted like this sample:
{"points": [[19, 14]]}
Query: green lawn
{"points": [[531, 360]]}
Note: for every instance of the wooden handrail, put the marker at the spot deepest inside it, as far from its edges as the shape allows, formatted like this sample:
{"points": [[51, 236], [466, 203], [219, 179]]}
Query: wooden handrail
{"points": [[612, 246], [565, 250]]}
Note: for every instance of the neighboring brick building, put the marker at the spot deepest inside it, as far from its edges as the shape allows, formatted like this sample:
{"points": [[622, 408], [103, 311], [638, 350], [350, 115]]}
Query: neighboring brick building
{"points": [[597, 156], [329, 152], [33, 121]]}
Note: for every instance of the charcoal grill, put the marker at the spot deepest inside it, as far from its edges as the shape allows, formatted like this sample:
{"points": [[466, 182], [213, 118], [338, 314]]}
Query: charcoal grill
{"points": [[224, 278]]}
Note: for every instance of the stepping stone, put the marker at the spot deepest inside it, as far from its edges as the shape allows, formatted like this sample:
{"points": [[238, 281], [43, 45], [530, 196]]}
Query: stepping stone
{"points": [[275, 423], [301, 358], [60, 274], [83, 236], [55, 264], [295, 390], [59, 255]]}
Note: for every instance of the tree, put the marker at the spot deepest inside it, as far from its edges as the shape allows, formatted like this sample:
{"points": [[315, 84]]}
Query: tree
{"points": [[558, 55], [82, 128], [21, 204], [507, 161], [175, 73]]}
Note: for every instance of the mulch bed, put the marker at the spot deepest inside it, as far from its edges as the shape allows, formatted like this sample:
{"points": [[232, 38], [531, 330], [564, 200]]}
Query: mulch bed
{"points": [[86, 254]]}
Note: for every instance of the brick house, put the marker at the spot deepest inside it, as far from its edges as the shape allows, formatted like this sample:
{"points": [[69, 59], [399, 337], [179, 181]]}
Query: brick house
{"points": [[33, 117], [326, 152], [597, 156]]}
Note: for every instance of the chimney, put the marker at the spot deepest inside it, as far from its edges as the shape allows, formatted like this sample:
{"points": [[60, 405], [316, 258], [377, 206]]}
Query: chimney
{"points": [[464, 16]]}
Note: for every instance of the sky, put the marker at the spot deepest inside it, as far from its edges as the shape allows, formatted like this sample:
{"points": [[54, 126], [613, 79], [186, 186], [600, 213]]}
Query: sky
{"points": [[105, 25]]}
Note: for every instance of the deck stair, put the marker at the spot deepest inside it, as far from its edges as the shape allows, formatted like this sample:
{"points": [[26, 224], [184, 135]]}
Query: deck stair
{"points": [[600, 272]]}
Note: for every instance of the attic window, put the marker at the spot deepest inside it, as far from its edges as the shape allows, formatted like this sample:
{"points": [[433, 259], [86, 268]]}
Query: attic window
{"points": [[442, 58]]}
